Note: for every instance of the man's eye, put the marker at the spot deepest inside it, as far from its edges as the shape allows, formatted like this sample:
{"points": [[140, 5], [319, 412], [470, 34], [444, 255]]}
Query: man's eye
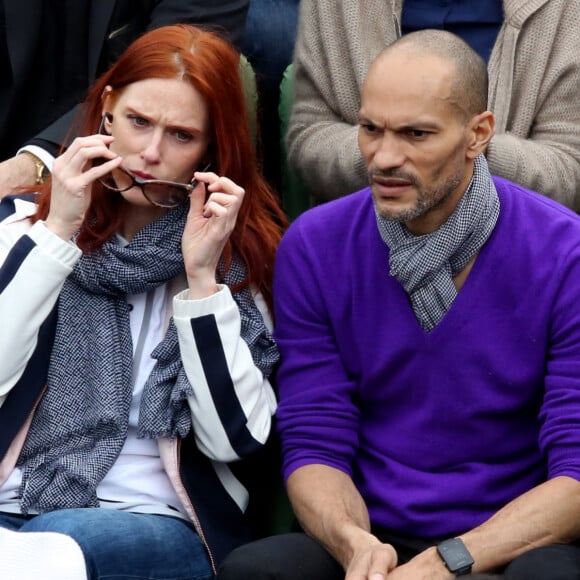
{"points": [[369, 128], [418, 133]]}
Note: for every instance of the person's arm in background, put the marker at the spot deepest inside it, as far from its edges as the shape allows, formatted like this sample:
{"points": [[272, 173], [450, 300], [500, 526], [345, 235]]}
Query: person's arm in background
{"points": [[537, 141], [535, 99], [331, 59], [225, 17]]}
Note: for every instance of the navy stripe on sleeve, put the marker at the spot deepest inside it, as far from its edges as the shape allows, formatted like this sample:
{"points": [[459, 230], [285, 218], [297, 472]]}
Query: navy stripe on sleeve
{"points": [[14, 260], [8, 207], [213, 360], [22, 398]]}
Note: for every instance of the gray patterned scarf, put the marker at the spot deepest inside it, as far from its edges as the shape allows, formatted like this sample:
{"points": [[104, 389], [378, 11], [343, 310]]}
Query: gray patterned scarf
{"points": [[81, 423], [425, 265]]}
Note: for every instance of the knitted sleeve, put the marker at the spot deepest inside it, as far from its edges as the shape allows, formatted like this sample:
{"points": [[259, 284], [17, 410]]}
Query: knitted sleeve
{"points": [[560, 414], [534, 94], [317, 416], [329, 66]]}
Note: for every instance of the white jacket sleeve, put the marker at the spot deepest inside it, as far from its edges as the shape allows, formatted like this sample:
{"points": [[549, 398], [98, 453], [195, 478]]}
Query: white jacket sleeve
{"points": [[233, 403], [34, 265]]}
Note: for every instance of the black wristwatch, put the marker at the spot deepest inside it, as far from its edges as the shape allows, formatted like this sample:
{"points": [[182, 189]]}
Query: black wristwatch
{"points": [[455, 556]]}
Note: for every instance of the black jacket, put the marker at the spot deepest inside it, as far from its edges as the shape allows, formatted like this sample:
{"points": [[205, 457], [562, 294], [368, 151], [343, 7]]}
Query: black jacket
{"points": [[112, 26]]}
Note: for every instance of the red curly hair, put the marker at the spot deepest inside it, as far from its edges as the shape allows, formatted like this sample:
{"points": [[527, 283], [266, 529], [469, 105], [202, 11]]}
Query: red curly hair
{"points": [[212, 66]]}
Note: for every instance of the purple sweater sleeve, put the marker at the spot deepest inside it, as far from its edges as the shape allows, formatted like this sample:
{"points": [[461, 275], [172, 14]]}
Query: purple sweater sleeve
{"points": [[560, 413], [314, 385]]}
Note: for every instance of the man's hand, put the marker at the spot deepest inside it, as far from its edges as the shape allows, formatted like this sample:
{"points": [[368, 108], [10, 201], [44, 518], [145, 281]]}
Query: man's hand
{"points": [[16, 172], [372, 561], [377, 561], [424, 566]]}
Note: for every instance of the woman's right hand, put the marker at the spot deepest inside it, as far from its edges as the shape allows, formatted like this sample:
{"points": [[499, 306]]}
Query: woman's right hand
{"points": [[72, 177]]}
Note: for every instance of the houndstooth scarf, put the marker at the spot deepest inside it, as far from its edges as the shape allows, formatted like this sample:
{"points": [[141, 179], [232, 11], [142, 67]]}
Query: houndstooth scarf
{"points": [[81, 423], [425, 265]]}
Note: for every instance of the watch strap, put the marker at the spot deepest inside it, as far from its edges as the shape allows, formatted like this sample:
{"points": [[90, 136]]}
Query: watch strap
{"points": [[42, 171]]}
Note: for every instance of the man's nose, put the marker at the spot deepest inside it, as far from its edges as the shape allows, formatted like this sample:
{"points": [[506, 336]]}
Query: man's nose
{"points": [[390, 152]]}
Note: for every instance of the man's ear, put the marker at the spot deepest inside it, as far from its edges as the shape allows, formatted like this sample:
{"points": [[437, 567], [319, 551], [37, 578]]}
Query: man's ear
{"points": [[480, 131]]}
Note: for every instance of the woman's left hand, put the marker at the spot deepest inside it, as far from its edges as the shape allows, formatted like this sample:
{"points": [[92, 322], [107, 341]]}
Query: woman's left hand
{"points": [[209, 225]]}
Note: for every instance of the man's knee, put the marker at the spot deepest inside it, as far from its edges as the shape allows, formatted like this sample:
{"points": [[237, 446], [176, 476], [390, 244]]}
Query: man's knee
{"points": [[257, 560], [281, 557], [557, 562]]}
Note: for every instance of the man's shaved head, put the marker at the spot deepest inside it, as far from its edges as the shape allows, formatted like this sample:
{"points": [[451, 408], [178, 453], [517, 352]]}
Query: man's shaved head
{"points": [[470, 81]]}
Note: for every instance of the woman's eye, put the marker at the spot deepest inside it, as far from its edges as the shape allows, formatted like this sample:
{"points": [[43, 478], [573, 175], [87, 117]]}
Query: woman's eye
{"points": [[138, 121], [183, 136]]}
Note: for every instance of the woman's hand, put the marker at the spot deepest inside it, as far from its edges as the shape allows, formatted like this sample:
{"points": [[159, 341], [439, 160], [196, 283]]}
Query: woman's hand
{"points": [[72, 177], [208, 228]]}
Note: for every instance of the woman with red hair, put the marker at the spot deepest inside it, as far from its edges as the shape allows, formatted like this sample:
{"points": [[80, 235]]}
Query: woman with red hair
{"points": [[136, 347]]}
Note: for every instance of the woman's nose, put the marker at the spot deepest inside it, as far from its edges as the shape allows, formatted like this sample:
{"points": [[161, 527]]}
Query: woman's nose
{"points": [[152, 150]]}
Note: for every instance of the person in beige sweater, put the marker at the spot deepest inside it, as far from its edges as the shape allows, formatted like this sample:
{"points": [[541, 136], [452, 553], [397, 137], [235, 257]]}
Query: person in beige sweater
{"points": [[534, 92]]}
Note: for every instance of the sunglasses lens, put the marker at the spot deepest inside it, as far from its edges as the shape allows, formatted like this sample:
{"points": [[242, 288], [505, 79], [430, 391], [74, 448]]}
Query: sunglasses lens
{"points": [[160, 193], [117, 180], [166, 195]]}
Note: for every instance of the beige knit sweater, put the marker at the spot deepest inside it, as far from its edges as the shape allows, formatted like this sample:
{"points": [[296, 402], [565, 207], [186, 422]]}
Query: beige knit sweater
{"points": [[534, 92]]}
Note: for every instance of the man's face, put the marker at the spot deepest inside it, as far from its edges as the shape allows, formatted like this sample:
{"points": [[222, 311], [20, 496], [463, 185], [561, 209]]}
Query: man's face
{"points": [[414, 140]]}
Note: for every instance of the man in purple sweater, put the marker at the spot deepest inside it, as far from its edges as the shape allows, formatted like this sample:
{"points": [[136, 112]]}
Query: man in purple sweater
{"points": [[430, 336]]}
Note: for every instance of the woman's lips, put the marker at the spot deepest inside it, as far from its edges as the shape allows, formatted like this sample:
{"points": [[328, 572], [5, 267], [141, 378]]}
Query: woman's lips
{"points": [[141, 174]]}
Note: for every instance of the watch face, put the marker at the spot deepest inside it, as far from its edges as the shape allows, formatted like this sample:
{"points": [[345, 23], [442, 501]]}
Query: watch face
{"points": [[455, 555]]}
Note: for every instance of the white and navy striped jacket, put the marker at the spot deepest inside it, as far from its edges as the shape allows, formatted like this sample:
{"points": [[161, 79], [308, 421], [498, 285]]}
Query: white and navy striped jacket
{"points": [[209, 469]]}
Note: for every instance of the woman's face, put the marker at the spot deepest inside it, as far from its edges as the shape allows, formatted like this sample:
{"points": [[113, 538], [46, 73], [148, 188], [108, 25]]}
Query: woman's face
{"points": [[161, 129]]}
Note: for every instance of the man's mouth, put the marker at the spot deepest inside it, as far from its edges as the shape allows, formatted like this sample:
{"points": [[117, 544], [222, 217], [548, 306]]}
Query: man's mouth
{"points": [[390, 186]]}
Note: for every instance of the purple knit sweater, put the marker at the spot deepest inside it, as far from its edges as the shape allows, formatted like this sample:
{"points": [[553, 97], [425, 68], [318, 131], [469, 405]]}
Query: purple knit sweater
{"points": [[438, 430]]}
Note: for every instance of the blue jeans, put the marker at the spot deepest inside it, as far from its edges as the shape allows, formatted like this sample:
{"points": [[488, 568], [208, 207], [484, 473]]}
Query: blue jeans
{"points": [[119, 545], [269, 37], [269, 44]]}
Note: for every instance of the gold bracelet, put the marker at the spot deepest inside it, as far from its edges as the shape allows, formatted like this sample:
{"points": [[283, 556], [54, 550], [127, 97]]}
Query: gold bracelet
{"points": [[42, 171]]}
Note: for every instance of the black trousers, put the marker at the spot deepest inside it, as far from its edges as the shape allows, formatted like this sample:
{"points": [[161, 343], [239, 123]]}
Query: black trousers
{"points": [[297, 557]]}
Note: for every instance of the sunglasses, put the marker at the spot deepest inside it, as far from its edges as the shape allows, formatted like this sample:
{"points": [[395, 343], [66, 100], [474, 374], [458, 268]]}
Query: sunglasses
{"points": [[159, 192]]}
